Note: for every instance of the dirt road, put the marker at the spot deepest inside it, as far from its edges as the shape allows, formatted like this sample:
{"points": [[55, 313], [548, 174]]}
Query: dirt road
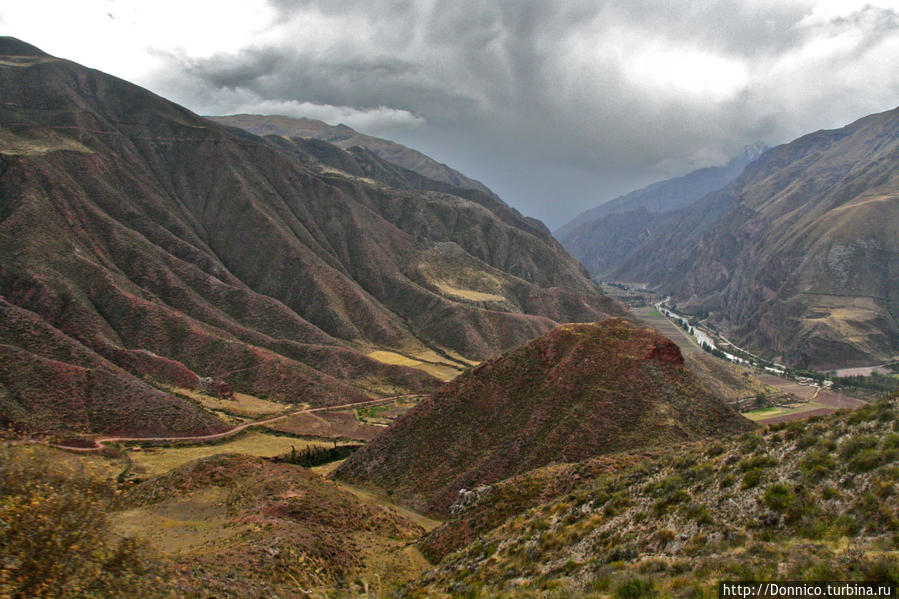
{"points": [[100, 442]]}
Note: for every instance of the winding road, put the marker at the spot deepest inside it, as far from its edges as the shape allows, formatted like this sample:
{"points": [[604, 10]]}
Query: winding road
{"points": [[99, 443]]}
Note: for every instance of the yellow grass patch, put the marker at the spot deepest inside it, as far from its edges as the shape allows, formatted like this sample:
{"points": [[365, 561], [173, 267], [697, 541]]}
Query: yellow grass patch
{"points": [[443, 371], [37, 142], [764, 413], [24, 61], [184, 525], [159, 460], [243, 405], [469, 294], [378, 499]]}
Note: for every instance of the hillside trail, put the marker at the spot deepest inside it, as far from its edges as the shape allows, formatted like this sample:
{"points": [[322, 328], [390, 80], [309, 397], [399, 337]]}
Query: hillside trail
{"points": [[100, 442]]}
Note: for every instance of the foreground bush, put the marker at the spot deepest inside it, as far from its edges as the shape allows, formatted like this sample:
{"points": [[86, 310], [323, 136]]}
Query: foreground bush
{"points": [[55, 540]]}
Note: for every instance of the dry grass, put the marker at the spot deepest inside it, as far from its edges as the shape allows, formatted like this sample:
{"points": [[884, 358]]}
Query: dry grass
{"points": [[159, 460], [38, 142], [243, 405], [340, 424], [182, 526], [442, 371], [469, 294], [381, 500], [765, 413]]}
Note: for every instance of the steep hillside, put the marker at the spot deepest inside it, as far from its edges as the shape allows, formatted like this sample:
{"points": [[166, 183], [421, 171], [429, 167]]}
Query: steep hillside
{"points": [[578, 391], [797, 258], [162, 245], [806, 264], [799, 501], [603, 237], [346, 137]]}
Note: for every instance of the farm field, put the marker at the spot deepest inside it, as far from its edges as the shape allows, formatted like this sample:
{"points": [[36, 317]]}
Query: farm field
{"points": [[158, 460], [242, 406], [360, 424]]}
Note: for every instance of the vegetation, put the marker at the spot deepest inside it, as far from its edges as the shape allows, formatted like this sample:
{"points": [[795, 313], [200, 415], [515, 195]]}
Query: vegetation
{"points": [[55, 538], [578, 391], [314, 455], [734, 509], [877, 382]]}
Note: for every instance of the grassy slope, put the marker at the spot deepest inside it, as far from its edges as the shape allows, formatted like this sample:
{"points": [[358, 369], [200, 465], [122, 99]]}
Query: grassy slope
{"points": [[800, 501], [242, 526]]}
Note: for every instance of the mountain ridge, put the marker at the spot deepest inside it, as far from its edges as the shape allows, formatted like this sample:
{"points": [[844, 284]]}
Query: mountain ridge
{"points": [[576, 392], [172, 246], [345, 138], [669, 194], [796, 257]]}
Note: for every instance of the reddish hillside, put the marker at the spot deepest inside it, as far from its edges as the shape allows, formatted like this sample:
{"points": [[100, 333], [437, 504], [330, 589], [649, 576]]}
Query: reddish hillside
{"points": [[579, 391], [163, 245]]}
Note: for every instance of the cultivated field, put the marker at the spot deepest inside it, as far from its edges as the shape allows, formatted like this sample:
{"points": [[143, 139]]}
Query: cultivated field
{"points": [[157, 460], [242, 406]]}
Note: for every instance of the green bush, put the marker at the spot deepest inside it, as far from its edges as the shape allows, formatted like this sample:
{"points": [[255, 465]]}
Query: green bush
{"points": [[635, 588], [55, 538], [789, 501], [853, 445], [756, 462], [866, 460], [817, 465], [752, 478]]}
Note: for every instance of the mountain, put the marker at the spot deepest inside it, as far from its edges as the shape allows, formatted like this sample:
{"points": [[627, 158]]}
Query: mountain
{"points": [[345, 137], [142, 244], [797, 257], [604, 236], [783, 504], [578, 391]]}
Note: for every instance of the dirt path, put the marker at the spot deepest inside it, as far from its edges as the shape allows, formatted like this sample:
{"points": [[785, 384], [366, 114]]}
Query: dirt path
{"points": [[100, 442]]}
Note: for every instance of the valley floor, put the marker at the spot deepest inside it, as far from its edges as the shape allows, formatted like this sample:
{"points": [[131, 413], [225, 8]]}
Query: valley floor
{"points": [[793, 400]]}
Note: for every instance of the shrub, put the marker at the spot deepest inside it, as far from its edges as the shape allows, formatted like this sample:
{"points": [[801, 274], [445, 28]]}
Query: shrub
{"points": [[699, 513], [789, 501], [756, 462], [817, 465], [635, 588], [751, 442], [828, 492], [665, 503], [806, 441], [865, 460], [56, 540], [752, 478], [854, 445]]}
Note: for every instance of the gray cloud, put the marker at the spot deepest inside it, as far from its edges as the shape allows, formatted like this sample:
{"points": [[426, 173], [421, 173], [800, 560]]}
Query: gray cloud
{"points": [[559, 105]]}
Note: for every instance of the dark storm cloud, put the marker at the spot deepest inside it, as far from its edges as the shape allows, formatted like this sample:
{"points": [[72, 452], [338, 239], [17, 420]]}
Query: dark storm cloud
{"points": [[560, 105]]}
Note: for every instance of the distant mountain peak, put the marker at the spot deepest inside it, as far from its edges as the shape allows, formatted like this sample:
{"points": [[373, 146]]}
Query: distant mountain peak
{"points": [[659, 197]]}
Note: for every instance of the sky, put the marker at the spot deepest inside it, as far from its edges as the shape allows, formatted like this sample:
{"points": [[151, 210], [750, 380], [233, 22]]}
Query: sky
{"points": [[557, 105]]}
